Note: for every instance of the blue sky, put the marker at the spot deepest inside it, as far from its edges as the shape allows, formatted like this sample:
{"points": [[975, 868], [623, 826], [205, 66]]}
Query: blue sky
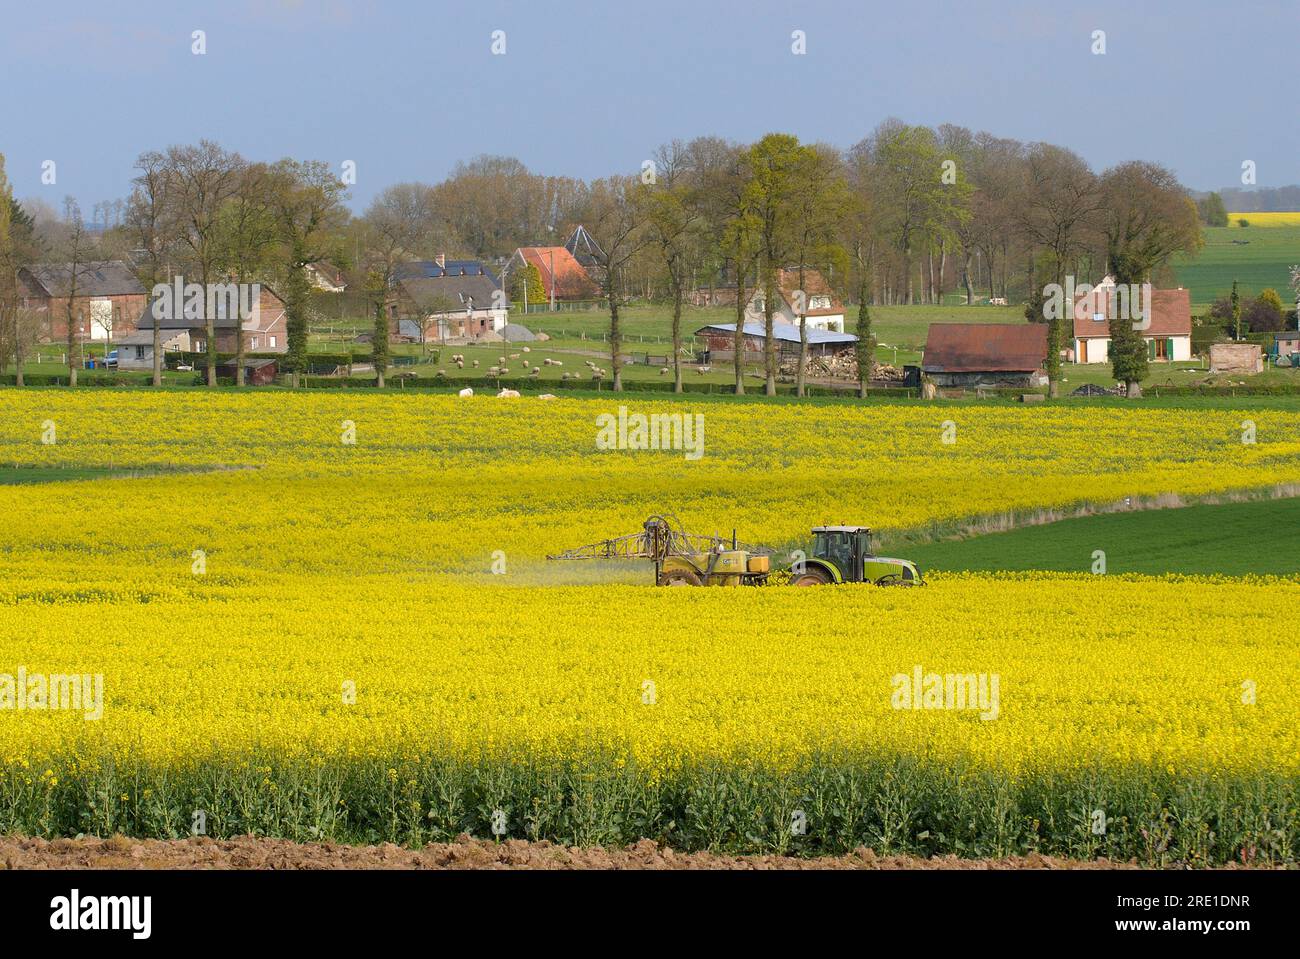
{"points": [[405, 89]]}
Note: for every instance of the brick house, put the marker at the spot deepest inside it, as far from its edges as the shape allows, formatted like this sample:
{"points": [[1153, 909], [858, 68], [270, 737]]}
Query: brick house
{"points": [[265, 328], [108, 298], [822, 309], [447, 299]]}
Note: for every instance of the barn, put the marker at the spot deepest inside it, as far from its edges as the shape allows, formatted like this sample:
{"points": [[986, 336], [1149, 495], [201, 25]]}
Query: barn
{"points": [[721, 338], [971, 355]]}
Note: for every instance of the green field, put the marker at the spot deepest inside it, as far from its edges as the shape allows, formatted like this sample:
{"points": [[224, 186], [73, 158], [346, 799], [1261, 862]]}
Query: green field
{"points": [[1234, 539], [1257, 257]]}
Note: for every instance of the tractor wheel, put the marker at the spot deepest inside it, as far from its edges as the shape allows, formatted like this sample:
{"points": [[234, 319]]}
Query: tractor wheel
{"points": [[812, 577], [678, 577]]}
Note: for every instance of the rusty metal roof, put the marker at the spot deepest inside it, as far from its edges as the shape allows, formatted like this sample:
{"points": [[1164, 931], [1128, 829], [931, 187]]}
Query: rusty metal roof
{"points": [[985, 348]]}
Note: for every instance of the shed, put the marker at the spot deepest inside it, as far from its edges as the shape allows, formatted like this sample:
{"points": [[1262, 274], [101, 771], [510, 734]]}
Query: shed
{"points": [[257, 372], [1236, 358], [986, 354], [721, 338]]}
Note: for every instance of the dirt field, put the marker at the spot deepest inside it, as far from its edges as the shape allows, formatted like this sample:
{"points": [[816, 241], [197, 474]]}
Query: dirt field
{"points": [[248, 852]]}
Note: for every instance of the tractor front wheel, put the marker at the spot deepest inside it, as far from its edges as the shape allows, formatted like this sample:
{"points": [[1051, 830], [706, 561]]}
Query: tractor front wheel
{"points": [[678, 577], [812, 577]]}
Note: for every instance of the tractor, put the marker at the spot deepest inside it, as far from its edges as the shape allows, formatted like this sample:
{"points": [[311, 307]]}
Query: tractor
{"points": [[842, 554]]}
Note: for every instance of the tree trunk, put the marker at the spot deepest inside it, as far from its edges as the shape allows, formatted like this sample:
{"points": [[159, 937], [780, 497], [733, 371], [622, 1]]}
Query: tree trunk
{"points": [[157, 350], [738, 340], [965, 279], [677, 336], [615, 337], [1133, 389], [769, 337]]}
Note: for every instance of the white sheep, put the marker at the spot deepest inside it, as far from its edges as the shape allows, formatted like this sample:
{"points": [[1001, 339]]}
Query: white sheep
{"points": [[467, 391], [508, 394]]}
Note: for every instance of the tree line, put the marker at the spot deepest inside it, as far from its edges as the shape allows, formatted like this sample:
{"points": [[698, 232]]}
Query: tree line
{"points": [[908, 215]]}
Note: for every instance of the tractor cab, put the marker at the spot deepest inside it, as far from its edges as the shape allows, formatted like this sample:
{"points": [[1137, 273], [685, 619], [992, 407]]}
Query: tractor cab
{"points": [[845, 546], [842, 554]]}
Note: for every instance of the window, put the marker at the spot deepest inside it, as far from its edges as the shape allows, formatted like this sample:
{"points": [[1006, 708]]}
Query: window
{"points": [[272, 339], [139, 352], [253, 344]]}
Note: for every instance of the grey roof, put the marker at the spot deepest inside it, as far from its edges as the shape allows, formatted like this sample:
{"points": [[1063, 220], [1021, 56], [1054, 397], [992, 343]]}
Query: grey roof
{"points": [[409, 328], [145, 337], [516, 333], [783, 332], [430, 269], [98, 278], [450, 293], [145, 322]]}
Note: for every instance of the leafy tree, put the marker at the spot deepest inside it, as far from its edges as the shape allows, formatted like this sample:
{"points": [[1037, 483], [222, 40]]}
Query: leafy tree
{"points": [[1212, 210], [866, 345], [1264, 314], [377, 289], [1236, 312]]}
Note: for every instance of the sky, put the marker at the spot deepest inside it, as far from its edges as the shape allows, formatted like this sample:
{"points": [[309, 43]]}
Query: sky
{"points": [[403, 90]]}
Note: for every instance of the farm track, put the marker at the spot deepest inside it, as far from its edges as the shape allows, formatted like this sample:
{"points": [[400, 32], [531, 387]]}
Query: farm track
{"points": [[250, 852]]}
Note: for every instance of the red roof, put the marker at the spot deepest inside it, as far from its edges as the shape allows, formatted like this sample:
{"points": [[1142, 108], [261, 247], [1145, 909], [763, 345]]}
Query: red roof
{"points": [[985, 348], [1171, 313], [571, 280]]}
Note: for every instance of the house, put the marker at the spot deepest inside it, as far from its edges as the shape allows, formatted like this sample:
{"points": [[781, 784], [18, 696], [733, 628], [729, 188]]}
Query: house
{"points": [[1168, 338], [257, 372], [970, 355], [448, 299], [563, 277], [588, 253], [721, 339], [1286, 343], [265, 328], [325, 277], [108, 298], [135, 350], [820, 307]]}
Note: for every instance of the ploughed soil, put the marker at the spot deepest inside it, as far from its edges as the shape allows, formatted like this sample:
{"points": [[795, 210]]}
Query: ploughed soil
{"points": [[251, 852]]}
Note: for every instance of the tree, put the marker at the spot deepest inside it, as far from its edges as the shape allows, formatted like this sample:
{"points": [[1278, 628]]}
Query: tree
{"points": [[526, 286], [1148, 217], [866, 344], [672, 219], [247, 234], [10, 332], [772, 168], [306, 200], [1212, 211], [203, 178], [76, 253], [1264, 314], [1235, 301], [149, 214], [618, 226], [821, 204]]}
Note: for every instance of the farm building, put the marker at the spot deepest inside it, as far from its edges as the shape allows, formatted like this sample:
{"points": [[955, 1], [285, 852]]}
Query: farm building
{"points": [[1169, 337], [1236, 358], [588, 253], [721, 338], [325, 277], [1286, 344], [448, 299], [108, 298], [563, 277], [265, 328], [821, 308], [986, 354], [135, 350], [257, 372]]}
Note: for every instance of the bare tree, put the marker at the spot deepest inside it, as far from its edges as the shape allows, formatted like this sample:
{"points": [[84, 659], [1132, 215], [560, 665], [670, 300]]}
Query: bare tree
{"points": [[617, 224]]}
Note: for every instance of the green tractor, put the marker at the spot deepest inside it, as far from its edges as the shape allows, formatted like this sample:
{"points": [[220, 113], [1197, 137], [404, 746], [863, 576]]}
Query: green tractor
{"points": [[842, 554]]}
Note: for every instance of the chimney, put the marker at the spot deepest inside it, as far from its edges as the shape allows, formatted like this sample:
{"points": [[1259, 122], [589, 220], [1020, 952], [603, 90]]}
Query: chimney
{"points": [[441, 260]]}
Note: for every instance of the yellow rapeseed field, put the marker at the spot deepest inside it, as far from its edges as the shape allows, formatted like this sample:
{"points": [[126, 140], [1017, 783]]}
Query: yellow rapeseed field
{"points": [[271, 593], [1290, 218]]}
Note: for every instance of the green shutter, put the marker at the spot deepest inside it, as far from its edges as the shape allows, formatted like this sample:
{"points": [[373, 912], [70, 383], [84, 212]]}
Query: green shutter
{"points": [[1169, 349]]}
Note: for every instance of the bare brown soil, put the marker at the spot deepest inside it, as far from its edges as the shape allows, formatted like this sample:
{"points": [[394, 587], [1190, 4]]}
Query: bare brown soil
{"points": [[250, 852]]}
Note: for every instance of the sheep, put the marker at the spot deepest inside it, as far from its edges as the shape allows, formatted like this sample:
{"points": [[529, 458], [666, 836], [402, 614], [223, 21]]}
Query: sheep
{"points": [[476, 364], [547, 396], [467, 391], [514, 356], [508, 394], [528, 349], [663, 370], [564, 376], [535, 371]]}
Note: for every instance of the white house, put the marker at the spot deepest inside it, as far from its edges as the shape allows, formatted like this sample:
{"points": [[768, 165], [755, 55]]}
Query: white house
{"points": [[1168, 337], [135, 350], [821, 308]]}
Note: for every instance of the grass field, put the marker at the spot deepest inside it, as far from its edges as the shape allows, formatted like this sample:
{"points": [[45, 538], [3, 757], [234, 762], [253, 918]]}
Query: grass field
{"points": [[1258, 258], [1260, 537]]}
